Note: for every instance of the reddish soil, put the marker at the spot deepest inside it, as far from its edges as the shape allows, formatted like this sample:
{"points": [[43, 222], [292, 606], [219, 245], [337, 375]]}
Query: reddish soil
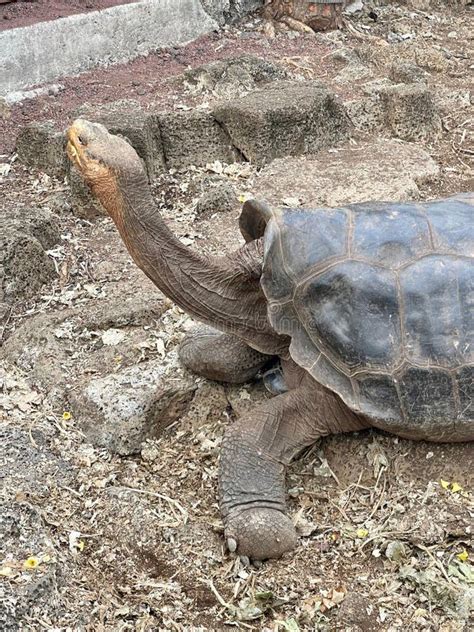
{"points": [[27, 12]]}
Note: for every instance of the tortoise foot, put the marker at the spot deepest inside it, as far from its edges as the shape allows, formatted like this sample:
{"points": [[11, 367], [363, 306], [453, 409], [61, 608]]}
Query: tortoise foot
{"points": [[260, 533], [219, 356]]}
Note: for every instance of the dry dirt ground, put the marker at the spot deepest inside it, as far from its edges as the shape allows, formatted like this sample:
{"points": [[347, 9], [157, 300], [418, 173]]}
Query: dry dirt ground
{"points": [[95, 542]]}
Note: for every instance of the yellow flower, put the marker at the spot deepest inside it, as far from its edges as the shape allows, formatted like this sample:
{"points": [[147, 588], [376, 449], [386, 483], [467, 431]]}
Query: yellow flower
{"points": [[66, 415], [362, 533], [81, 545], [451, 487], [31, 563], [463, 556]]}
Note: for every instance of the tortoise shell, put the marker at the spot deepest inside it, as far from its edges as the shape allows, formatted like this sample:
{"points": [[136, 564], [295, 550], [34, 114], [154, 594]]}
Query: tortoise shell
{"points": [[378, 300]]}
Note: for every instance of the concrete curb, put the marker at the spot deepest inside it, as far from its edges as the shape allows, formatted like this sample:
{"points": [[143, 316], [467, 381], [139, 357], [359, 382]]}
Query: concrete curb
{"points": [[45, 51]]}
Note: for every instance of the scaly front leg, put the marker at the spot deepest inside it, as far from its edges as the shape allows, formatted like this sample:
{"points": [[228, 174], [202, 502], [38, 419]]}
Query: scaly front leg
{"points": [[255, 453], [219, 356]]}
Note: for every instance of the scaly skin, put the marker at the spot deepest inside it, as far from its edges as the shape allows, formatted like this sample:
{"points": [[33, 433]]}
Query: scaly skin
{"points": [[219, 356], [255, 453]]}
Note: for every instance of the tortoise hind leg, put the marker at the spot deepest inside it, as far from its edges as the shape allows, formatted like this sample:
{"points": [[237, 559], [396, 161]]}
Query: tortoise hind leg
{"points": [[255, 452], [219, 356]]}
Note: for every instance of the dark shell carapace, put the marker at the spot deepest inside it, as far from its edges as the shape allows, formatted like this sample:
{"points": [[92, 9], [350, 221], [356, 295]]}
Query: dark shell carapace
{"points": [[378, 300]]}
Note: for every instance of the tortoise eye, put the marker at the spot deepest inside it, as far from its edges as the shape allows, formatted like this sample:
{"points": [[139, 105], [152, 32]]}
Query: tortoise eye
{"points": [[81, 140]]}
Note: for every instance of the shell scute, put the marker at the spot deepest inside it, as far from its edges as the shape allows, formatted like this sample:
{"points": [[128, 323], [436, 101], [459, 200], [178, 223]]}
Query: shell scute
{"points": [[303, 247], [449, 220], [391, 236], [352, 312], [379, 397], [419, 388], [438, 315]]}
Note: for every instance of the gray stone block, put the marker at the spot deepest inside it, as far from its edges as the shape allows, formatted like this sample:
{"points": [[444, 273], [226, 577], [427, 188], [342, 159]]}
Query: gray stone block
{"points": [[410, 112], [286, 118], [25, 235], [194, 138], [43, 146], [405, 111], [120, 411]]}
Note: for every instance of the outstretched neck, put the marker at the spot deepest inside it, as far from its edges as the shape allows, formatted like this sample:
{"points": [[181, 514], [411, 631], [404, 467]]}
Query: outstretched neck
{"points": [[223, 292]]}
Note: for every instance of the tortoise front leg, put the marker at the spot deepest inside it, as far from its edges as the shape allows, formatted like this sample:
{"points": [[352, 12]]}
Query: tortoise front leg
{"points": [[255, 453], [220, 356]]}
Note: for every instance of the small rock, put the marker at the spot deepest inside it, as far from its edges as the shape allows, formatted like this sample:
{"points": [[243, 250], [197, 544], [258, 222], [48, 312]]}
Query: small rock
{"points": [[219, 199], [395, 551], [345, 54], [354, 71], [112, 337], [407, 72], [229, 77], [448, 99], [120, 411], [428, 57]]}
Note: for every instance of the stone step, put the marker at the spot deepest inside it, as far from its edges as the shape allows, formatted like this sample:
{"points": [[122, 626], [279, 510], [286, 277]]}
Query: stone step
{"points": [[43, 52]]}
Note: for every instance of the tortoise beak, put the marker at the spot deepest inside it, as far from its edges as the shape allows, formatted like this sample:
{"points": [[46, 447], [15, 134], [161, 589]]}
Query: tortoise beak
{"points": [[74, 146]]}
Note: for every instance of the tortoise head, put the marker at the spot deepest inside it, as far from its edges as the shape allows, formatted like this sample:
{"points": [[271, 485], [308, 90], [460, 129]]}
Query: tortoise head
{"points": [[107, 163]]}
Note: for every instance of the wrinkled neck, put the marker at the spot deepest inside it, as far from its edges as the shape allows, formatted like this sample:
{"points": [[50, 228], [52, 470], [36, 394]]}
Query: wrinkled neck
{"points": [[223, 292]]}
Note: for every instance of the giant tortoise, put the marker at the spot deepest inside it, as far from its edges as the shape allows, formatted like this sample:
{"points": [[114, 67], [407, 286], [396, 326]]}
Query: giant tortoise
{"points": [[368, 307]]}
